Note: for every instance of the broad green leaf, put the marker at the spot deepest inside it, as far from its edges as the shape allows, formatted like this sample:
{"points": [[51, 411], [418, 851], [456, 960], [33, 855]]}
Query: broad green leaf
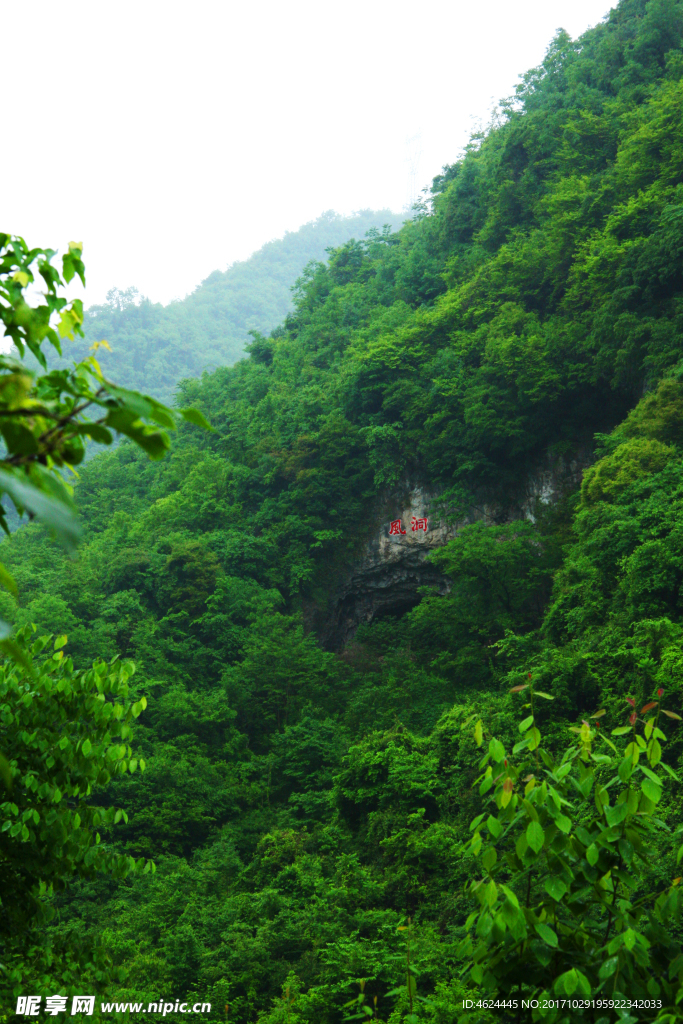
{"points": [[510, 896], [650, 774], [491, 893], [567, 983], [555, 888], [196, 417], [608, 968], [625, 769], [616, 814], [7, 581], [526, 723], [489, 858], [547, 934], [46, 509], [494, 826], [496, 750], [584, 984], [535, 836], [651, 790]]}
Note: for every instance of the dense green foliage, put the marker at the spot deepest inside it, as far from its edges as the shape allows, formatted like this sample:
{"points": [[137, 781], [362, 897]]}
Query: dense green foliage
{"points": [[59, 728], [155, 346], [567, 885], [62, 738], [310, 811]]}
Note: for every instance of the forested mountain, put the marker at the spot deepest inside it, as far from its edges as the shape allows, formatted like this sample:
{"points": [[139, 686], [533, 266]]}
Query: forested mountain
{"points": [[155, 346], [369, 833]]}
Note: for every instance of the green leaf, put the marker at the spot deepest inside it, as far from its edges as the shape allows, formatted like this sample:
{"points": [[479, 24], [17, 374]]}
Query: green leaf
{"points": [[46, 509], [87, 747], [584, 984], [650, 774], [60, 642], [496, 750], [14, 650], [625, 769], [7, 581], [526, 723], [509, 894], [491, 893], [494, 826], [546, 696], [555, 888], [547, 934], [535, 836], [196, 417], [592, 854], [479, 733], [567, 982], [615, 815], [621, 730], [564, 823], [651, 791], [608, 968]]}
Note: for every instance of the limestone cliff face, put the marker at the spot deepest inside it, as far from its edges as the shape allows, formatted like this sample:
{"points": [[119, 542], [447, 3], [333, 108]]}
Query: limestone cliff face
{"points": [[392, 567]]}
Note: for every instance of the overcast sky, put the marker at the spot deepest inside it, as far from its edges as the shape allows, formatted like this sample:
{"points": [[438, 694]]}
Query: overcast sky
{"points": [[174, 138]]}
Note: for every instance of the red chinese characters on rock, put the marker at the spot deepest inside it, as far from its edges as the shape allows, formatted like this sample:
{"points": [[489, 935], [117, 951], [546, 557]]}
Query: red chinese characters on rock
{"points": [[396, 526]]}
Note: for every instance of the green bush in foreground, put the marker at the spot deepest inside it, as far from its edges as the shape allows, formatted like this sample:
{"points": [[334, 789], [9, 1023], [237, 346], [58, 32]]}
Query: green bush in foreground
{"points": [[65, 735], [568, 904]]}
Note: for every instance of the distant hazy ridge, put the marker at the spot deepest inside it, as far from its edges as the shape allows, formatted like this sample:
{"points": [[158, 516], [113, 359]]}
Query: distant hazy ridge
{"points": [[155, 346]]}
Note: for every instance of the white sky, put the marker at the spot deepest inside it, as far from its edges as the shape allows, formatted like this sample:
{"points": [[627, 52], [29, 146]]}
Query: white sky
{"points": [[174, 138]]}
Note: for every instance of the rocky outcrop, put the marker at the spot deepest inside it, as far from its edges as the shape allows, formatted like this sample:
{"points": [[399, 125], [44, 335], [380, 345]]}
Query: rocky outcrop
{"points": [[392, 567]]}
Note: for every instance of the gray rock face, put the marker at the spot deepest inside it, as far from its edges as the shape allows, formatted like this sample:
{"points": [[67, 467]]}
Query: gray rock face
{"points": [[386, 577]]}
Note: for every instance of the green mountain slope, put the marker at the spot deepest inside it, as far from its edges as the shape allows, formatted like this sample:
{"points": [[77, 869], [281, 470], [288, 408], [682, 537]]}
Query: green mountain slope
{"points": [[309, 811], [155, 346]]}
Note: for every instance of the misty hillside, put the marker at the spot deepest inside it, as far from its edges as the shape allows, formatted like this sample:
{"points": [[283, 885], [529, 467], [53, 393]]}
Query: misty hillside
{"points": [[155, 346]]}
